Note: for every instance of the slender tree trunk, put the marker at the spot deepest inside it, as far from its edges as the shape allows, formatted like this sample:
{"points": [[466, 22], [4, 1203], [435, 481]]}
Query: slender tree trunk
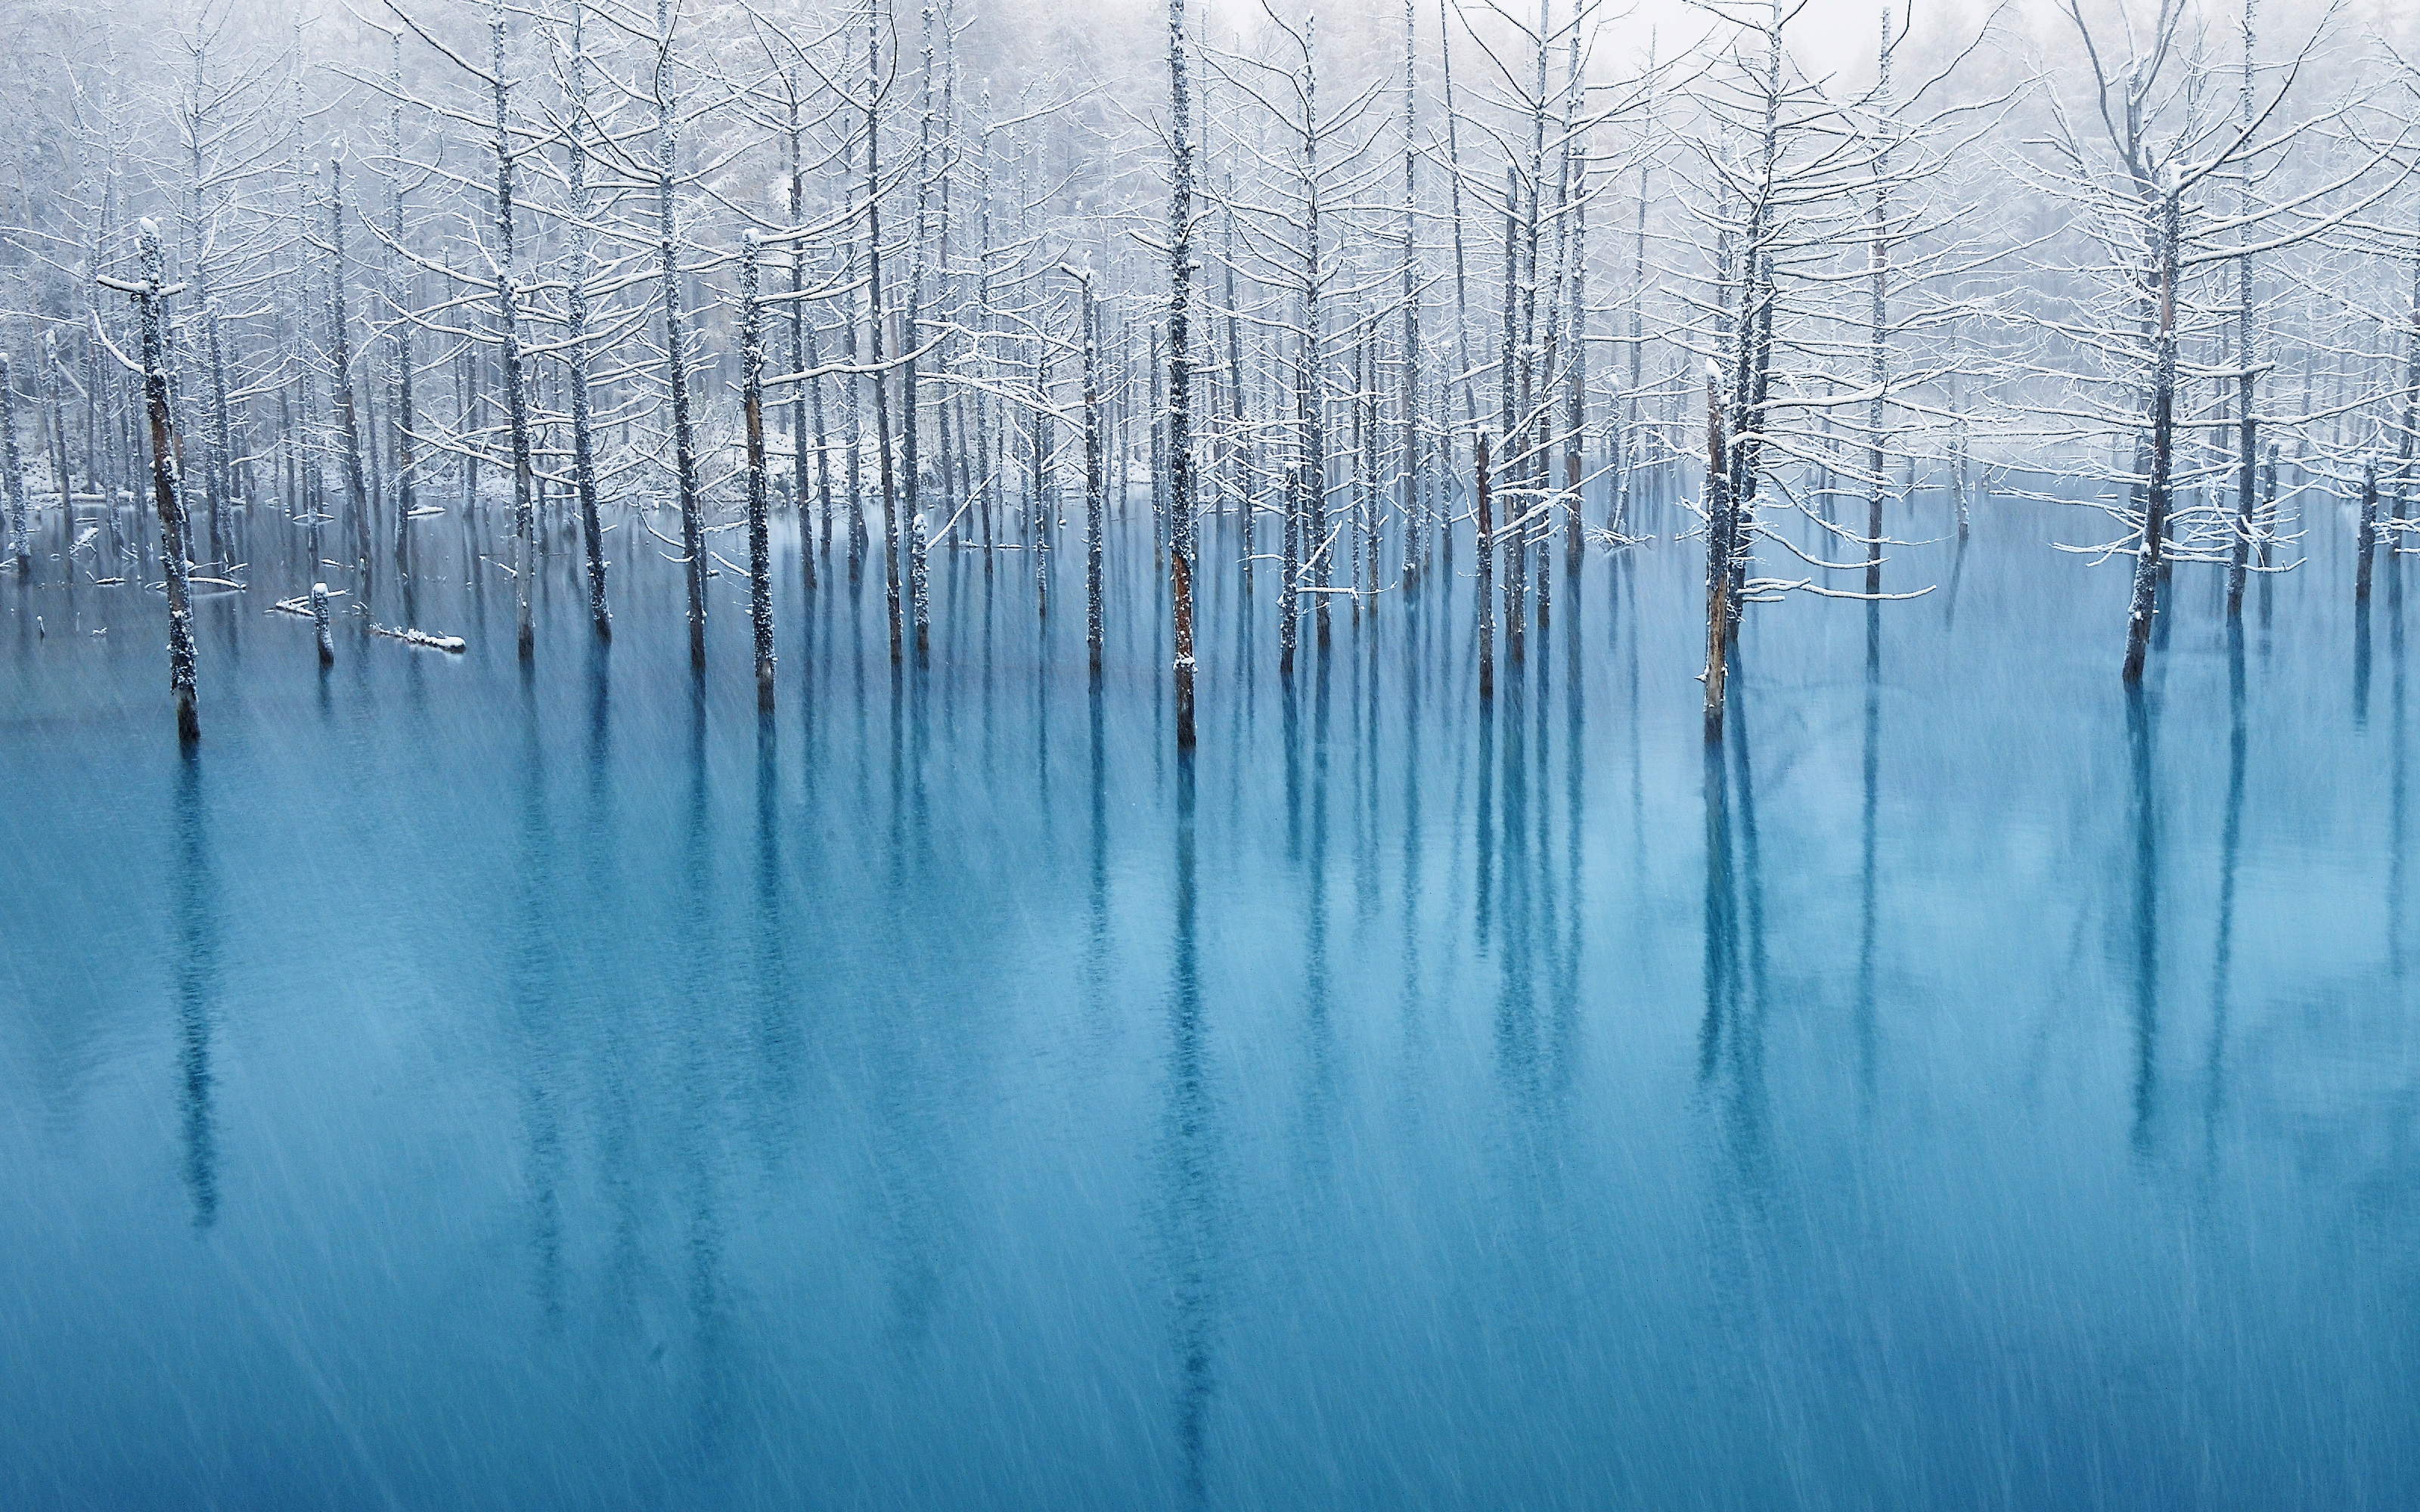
{"points": [[800, 360], [12, 474], [1509, 370], [584, 448], [2144, 601], [911, 405], [1182, 371], [57, 443], [399, 446], [2366, 533], [341, 362], [215, 448], [1368, 566], [1158, 453], [1092, 478], [814, 389], [760, 551], [1486, 568], [1632, 448], [1297, 483], [1454, 187], [2406, 482], [1719, 550], [891, 536], [675, 337], [151, 298], [1415, 527], [508, 325], [406, 466], [853, 413], [1575, 378], [1879, 334], [2247, 422], [1314, 397]]}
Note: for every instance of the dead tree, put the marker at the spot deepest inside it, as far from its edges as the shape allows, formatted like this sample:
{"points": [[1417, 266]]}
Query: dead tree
{"points": [[751, 368], [1180, 373], [151, 296], [12, 473]]}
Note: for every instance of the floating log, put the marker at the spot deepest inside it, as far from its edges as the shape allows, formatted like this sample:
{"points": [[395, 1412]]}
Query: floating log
{"points": [[454, 643], [300, 605]]}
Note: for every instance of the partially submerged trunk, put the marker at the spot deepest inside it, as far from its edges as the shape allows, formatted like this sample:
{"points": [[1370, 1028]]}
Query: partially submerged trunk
{"points": [[2247, 424], [319, 624], [891, 536], [341, 362], [575, 335], [151, 298], [1720, 542], [508, 319], [676, 343], [12, 473], [801, 359], [2144, 603], [1487, 569], [1180, 373], [2365, 535], [1092, 478], [751, 368]]}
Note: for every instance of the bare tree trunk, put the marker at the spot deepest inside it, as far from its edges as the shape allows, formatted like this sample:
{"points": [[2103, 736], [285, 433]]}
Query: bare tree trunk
{"points": [[1298, 472], [752, 367], [1043, 507], [853, 414], [1509, 369], [1454, 187], [1092, 477], [508, 325], [2247, 424], [1631, 443], [2145, 602], [1575, 380], [319, 624], [151, 298], [988, 503], [1487, 569], [341, 360], [800, 360], [1366, 569], [1314, 399], [583, 449], [1876, 461], [891, 536], [406, 465], [1719, 541], [676, 343], [912, 337], [1158, 453], [2405, 481], [215, 446], [399, 446], [1415, 527], [57, 443], [814, 391], [12, 474]]}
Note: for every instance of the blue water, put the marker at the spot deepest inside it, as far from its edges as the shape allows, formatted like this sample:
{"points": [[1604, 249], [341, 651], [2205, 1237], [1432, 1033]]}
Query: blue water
{"points": [[456, 1085]]}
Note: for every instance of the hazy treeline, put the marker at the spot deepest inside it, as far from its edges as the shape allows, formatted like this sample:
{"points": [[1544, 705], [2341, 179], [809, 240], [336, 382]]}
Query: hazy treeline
{"points": [[963, 276]]}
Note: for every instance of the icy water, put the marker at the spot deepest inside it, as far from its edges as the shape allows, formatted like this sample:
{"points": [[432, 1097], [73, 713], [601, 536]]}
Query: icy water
{"points": [[457, 1085]]}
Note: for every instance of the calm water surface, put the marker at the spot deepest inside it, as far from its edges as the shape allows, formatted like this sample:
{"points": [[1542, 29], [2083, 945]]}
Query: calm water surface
{"points": [[464, 1085]]}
